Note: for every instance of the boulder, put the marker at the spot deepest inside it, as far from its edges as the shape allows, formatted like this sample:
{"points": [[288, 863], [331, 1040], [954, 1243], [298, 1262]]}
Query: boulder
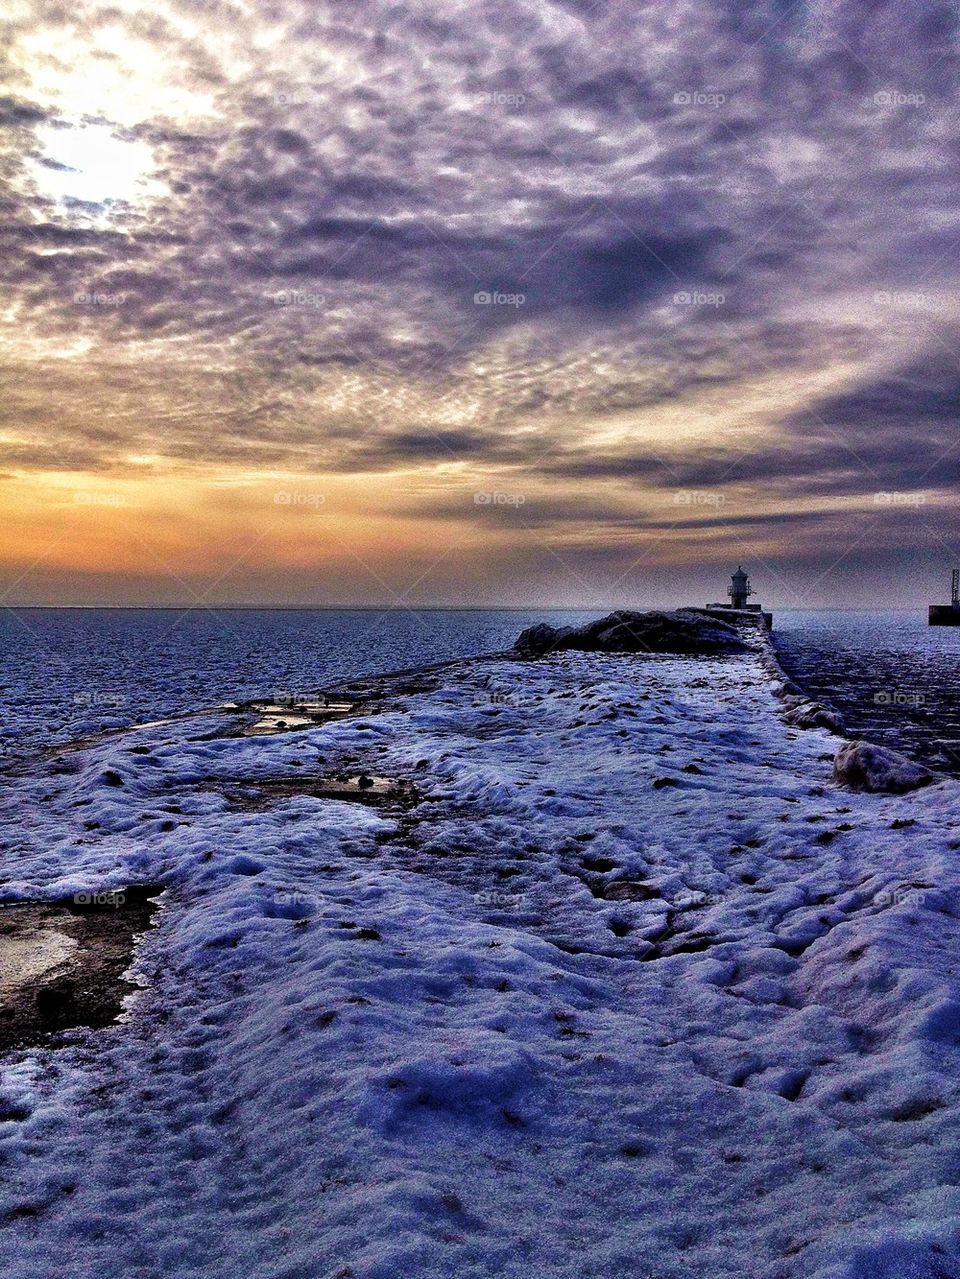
{"points": [[864, 767], [681, 631], [805, 713], [540, 639]]}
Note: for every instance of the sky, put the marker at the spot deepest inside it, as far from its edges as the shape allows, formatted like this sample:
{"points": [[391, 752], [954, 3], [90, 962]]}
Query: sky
{"points": [[436, 302]]}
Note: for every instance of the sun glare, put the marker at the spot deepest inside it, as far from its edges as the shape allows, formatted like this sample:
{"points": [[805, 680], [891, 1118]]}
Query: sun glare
{"points": [[90, 163]]}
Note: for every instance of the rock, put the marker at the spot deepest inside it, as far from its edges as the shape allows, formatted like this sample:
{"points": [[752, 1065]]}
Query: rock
{"points": [[864, 767], [542, 638], [810, 714], [681, 631]]}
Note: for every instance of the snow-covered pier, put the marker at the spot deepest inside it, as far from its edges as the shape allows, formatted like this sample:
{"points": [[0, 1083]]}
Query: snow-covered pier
{"points": [[606, 976]]}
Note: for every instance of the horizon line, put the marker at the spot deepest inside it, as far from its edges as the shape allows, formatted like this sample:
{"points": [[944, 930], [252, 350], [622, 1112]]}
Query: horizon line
{"points": [[438, 608]]}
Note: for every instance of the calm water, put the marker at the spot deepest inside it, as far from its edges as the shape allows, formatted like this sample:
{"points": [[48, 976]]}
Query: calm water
{"points": [[71, 671], [894, 679]]}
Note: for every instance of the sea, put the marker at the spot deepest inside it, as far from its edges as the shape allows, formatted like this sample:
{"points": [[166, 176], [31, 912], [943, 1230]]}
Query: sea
{"points": [[894, 679], [65, 673]]}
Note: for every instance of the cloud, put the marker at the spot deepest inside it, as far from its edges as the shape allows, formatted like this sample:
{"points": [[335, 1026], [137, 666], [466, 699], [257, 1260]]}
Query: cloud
{"points": [[548, 240]]}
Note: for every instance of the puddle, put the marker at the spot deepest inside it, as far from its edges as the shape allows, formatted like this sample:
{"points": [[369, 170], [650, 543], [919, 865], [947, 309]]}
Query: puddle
{"points": [[263, 719], [358, 788], [276, 717], [623, 890], [62, 962]]}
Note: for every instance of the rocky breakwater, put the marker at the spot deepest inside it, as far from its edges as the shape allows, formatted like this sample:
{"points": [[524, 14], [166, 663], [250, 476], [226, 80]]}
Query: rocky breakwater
{"points": [[858, 765], [682, 631]]}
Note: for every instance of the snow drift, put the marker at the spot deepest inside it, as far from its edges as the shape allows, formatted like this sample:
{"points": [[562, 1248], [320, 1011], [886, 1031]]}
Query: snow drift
{"points": [[627, 987]]}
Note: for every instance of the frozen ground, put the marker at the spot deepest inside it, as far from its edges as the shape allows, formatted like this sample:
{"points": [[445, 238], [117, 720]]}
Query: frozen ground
{"points": [[627, 988]]}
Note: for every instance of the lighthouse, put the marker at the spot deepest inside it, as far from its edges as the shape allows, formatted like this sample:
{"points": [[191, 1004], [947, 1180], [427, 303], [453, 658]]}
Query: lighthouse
{"points": [[739, 592], [739, 589]]}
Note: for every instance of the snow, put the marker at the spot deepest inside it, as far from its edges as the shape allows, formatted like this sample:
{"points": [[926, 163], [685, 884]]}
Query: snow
{"points": [[581, 1010]]}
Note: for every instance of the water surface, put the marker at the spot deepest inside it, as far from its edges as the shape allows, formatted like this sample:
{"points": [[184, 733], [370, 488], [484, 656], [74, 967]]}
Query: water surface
{"points": [[893, 678]]}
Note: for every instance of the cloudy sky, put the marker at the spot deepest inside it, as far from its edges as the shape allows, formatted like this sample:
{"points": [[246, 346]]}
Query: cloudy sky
{"points": [[432, 301]]}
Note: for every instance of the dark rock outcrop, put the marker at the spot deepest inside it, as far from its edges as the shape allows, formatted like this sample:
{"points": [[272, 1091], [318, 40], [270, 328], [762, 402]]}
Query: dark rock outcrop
{"points": [[681, 631]]}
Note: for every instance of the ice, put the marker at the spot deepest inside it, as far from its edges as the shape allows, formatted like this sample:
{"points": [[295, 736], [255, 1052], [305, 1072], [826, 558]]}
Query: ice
{"points": [[542, 1018]]}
